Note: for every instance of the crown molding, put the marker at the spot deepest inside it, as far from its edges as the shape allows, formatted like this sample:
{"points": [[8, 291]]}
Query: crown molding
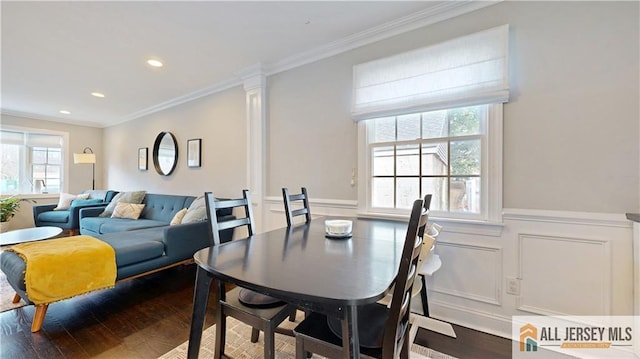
{"points": [[432, 15], [34, 116], [215, 88]]}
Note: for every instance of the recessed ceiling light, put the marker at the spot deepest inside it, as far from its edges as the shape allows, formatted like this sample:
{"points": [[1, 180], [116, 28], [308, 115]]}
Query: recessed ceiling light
{"points": [[97, 94], [154, 63], [65, 112]]}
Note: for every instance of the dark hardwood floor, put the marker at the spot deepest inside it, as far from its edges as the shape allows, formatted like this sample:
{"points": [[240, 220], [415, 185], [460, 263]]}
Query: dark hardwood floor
{"points": [[147, 317]]}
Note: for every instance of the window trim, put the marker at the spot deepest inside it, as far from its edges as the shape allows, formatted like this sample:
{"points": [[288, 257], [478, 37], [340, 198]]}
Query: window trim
{"points": [[491, 185], [65, 156]]}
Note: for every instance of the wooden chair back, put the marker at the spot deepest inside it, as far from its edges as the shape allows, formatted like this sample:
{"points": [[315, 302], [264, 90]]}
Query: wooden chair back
{"points": [[291, 213], [213, 205], [396, 338]]}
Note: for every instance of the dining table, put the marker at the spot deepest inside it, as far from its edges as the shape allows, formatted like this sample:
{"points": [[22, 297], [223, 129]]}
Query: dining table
{"points": [[301, 265]]}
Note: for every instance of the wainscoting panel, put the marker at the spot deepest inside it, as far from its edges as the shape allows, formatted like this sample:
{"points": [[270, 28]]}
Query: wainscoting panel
{"points": [[563, 263], [561, 275], [482, 282]]}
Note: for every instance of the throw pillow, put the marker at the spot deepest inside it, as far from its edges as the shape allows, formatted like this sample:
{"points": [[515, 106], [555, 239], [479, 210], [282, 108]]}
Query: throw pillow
{"points": [[127, 210], [197, 211], [127, 197], [65, 201], [177, 219]]}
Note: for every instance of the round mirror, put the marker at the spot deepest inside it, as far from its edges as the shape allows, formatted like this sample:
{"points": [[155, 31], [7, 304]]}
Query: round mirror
{"points": [[165, 153]]}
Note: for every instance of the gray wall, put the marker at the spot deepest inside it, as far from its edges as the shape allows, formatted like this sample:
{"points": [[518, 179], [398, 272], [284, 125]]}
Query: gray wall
{"points": [[571, 129], [219, 120], [79, 176]]}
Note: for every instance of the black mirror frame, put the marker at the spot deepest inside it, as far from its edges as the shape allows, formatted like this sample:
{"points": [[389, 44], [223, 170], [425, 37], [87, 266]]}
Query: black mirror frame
{"points": [[156, 149]]}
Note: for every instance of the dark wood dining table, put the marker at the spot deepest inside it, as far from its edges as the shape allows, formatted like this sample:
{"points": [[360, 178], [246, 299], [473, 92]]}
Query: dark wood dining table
{"points": [[300, 265]]}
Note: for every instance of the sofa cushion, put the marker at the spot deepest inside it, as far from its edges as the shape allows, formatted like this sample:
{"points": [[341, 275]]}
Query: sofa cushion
{"points": [[138, 246], [163, 207], [103, 225], [129, 197], [54, 216], [83, 202], [127, 210]]}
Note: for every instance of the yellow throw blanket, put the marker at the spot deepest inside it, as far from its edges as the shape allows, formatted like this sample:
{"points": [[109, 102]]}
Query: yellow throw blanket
{"points": [[65, 267]]}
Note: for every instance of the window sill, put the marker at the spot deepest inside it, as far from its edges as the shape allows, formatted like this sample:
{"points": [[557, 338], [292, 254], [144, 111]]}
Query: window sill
{"points": [[36, 195], [452, 225]]}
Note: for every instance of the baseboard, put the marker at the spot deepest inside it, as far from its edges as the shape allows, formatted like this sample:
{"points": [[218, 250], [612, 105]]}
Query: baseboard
{"points": [[471, 318]]}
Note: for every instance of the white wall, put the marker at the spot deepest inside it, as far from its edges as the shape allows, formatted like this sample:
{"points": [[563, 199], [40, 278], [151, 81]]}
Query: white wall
{"points": [[219, 120], [79, 176]]}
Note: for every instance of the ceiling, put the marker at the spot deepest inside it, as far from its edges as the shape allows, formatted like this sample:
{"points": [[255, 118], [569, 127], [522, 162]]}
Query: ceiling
{"points": [[55, 54]]}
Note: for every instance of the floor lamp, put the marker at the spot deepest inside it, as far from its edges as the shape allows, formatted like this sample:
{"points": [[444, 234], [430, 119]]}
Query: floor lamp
{"points": [[87, 156]]}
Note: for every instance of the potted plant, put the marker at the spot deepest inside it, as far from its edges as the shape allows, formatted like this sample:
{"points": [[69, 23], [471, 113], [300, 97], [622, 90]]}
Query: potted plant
{"points": [[8, 208]]}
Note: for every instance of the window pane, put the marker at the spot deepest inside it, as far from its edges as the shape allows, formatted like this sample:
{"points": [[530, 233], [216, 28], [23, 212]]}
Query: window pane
{"points": [[408, 127], [407, 191], [465, 121], [382, 193], [39, 171], [383, 161], [382, 130], [51, 186], [408, 160], [465, 157], [39, 156], [434, 159], [434, 124], [465, 194], [437, 186], [53, 171], [55, 157]]}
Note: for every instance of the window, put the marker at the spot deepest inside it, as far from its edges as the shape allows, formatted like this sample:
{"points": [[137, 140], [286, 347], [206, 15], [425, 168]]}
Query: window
{"points": [[32, 161], [443, 152], [431, 122]]}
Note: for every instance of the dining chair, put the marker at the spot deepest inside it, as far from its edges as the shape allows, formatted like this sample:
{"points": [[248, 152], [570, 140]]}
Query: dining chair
{"points": [[291, 214], [288, 209], [383, 331], [261, 312], [418, 286]]}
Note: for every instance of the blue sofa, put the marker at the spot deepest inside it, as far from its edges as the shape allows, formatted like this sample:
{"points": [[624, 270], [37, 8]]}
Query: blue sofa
{"points": [[69, 219], [149, 242], [141, 246]]}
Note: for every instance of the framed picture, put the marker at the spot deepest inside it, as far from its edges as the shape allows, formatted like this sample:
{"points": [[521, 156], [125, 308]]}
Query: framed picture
{"points": [[194, 152], [143, 161]]}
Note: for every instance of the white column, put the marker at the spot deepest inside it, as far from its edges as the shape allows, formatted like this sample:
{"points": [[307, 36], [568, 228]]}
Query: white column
{"points": [[255, 87]]}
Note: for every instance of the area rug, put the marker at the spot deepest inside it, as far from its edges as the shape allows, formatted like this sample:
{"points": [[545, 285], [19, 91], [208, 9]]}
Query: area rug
{"points": [[6, 296], [239, 344]]}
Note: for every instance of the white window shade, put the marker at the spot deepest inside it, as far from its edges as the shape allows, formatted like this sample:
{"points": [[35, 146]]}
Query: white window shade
{"points": [[465, 71], [42, 140], [11, 138]]}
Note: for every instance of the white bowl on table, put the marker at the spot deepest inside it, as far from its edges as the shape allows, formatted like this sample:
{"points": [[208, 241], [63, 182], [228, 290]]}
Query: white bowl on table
{"points": [[339, 228]]}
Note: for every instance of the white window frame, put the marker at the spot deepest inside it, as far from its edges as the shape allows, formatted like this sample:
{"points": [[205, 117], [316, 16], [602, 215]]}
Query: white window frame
{"points": [[27, 162], [491, 177]]}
